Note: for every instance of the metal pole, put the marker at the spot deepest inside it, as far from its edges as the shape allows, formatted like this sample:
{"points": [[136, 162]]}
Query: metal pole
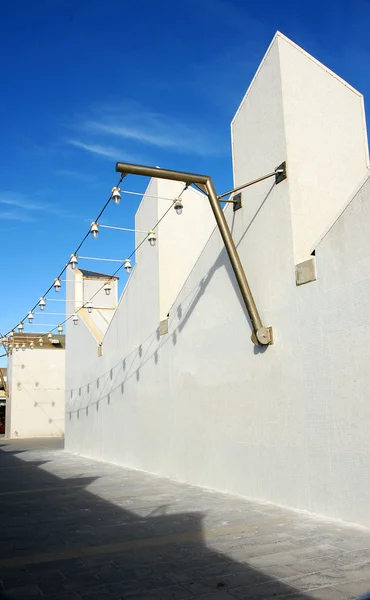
{"points": [[245, 185], [262, 335]]}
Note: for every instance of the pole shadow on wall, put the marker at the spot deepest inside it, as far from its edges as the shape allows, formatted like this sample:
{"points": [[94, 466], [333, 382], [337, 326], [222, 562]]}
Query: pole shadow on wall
{"points": [[145, 350], [61, 541], [222, 261]]}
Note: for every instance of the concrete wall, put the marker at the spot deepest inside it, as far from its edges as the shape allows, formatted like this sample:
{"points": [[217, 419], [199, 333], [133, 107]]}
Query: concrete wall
{"points": [[36, 403], [322, 120], [286, 423]]}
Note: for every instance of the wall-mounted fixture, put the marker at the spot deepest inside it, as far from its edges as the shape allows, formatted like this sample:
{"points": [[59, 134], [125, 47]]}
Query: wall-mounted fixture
{"points": [[261, 335]]}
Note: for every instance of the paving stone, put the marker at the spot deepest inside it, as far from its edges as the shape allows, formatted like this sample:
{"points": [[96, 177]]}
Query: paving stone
{"points": [[266, 591], [314, 580], [355, 588], [24, 592], [97, 531]]}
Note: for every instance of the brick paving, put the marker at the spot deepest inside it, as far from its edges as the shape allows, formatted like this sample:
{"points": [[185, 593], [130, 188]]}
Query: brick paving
{"points": [[77, 529]]}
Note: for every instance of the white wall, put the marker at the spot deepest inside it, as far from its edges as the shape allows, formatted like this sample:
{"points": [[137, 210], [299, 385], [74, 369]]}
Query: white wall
{"points": [[286, 423], [325, 134], [36, 404]]}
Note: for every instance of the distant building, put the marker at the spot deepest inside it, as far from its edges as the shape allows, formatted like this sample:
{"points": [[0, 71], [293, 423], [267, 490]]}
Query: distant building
{"points": [[3, 394], [36, 387]]}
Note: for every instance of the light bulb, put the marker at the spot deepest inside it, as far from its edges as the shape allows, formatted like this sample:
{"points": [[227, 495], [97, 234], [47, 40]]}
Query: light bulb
{"points": [[50, 336], [94, 229], [178, 206], [20, 327], [42, 303], [89, 306], [107, 288], [73, 261], [11, 335], [60, 328], [152, 238], [30, 316], [116, 195], [32, 345], [17, 347], [41, 342], [57, 284], [127, 265], [75, 319], [23, 347]]}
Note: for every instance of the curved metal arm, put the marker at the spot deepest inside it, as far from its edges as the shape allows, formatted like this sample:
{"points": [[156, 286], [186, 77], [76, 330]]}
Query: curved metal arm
{"points": [[262, 335]]}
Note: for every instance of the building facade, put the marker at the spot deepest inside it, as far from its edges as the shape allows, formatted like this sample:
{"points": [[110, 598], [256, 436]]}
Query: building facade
{"points": [[36, 387], [195, 399]]}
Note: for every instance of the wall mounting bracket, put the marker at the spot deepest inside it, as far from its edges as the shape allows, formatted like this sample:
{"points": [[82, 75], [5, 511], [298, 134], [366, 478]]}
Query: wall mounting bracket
{"points": [[261, 335]]}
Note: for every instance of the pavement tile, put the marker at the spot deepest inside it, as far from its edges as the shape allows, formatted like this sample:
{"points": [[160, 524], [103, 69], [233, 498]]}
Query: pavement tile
{"points": [[311, 581], [355, 588], [24, 592], [102, 532]]}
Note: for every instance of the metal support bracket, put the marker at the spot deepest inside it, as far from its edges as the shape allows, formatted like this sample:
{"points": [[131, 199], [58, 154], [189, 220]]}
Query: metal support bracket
{"points": [[261, 335], [280, 173], [237, 201]]}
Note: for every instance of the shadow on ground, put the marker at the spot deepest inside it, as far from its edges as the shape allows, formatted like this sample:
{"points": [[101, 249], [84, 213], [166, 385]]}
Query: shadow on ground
{"points": [[60, 541]]}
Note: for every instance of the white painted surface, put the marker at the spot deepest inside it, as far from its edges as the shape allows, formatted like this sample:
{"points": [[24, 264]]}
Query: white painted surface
{"points": [[36, 404], [288, 423], [325, 136]]}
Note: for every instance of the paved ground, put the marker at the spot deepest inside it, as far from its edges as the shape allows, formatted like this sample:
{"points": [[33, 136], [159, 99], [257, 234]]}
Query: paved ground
{"points": [[75, 529]]}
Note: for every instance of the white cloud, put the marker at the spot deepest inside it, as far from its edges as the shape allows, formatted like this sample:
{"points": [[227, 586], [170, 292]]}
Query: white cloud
{"points": [[156, 130], [131, 121], [23, 202], [107, 151], [10, 216]]}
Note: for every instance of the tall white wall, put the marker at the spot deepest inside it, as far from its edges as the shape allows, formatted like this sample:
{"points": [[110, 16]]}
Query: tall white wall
{"points": [[325, 135], [286, 423], [36, 403]]}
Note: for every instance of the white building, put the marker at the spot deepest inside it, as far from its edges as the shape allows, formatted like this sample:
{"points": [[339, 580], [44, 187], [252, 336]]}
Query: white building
{"points": [[287, 423], [36, 388]]}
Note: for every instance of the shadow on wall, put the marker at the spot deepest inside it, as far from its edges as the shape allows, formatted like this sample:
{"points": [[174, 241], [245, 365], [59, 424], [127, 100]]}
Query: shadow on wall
{"points": [[61, 538], [41, 406], [115, 379]]}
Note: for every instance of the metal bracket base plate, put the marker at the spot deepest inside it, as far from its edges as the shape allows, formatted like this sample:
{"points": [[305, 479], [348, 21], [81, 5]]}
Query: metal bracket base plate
{"points": [[237, 200], [280, 173], [263, 337]]}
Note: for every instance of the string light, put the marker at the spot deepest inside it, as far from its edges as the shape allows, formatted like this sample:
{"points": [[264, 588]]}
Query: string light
{"points": [[32, 345], [30, 317], [23, 347], [152, 238], [73, 261], [116, 195], [17, 347], [41, 342], [60, 329], [178, 206], [127, 265], [94, 229]]}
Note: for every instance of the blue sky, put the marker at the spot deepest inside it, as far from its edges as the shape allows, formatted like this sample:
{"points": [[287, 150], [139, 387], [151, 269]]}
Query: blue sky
{"points": [[87, 83]]}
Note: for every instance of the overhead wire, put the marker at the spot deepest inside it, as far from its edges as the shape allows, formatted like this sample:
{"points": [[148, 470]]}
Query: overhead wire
{"points": [[75, 252], [111, 277]]}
